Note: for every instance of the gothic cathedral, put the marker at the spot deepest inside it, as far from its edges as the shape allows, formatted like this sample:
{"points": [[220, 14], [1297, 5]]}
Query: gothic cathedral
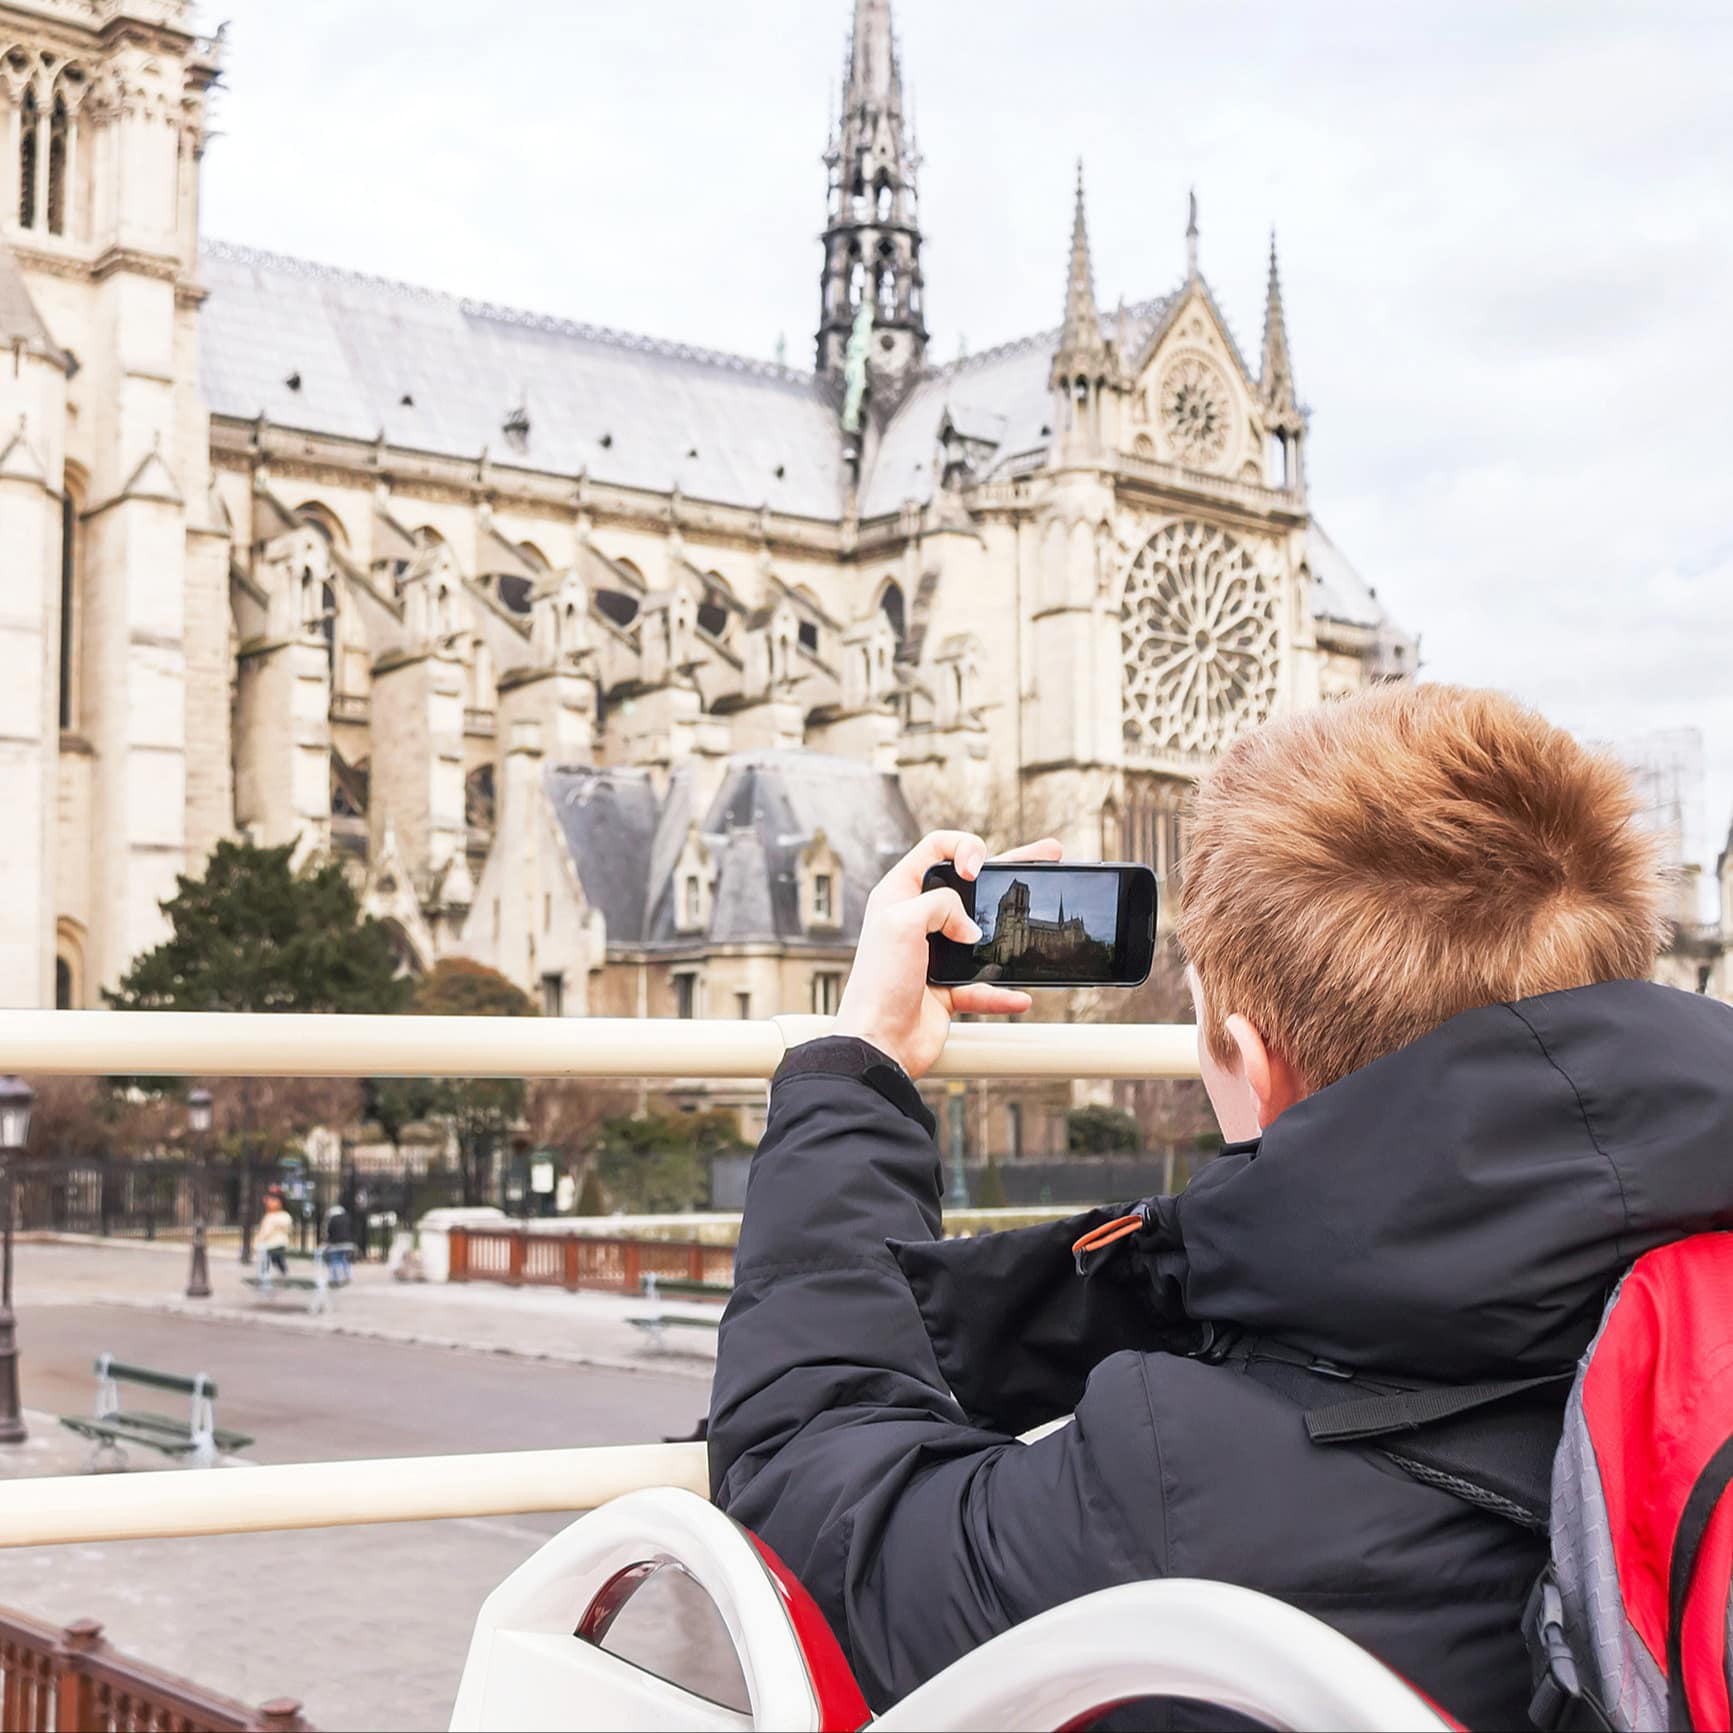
{"points": [[631, 680]]}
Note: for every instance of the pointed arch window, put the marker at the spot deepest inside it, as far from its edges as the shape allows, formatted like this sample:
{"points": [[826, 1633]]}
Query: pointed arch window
{"points": [[896, 615], [59, 126], [29, 144]]}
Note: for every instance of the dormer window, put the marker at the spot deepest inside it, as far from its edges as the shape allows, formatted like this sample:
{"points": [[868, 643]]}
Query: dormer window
{"points": [[819, 875], [691, 886]]}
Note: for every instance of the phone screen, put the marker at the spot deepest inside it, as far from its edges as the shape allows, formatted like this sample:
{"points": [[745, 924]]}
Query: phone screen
{"points": [[1050, 924]]}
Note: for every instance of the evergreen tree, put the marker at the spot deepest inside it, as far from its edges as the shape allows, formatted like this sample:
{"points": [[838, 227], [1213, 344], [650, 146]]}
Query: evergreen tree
{"points": [[257, 934]]}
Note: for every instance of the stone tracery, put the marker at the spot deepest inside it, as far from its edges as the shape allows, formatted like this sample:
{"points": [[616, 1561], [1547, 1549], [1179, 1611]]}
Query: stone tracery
{"points": [[1198, 630]]}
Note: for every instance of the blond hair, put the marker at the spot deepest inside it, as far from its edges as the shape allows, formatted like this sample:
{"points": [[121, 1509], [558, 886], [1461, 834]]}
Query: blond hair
{"points": [[1357, 875]]}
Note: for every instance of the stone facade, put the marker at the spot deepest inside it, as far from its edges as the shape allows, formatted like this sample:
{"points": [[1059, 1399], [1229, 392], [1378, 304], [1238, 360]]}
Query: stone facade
{"points": [[380, 571], [117, 650]]}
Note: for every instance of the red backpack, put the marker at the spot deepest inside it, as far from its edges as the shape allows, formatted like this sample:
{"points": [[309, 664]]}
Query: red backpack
{"points": [[1630, 1625]]}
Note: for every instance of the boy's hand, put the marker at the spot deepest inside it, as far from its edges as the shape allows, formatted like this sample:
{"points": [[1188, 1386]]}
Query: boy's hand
{"points": [[887, 1000]]}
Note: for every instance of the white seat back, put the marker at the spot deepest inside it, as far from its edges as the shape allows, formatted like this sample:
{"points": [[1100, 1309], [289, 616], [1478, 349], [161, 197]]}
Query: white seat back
{"points": [[1210, 1642], [528, 1671]]}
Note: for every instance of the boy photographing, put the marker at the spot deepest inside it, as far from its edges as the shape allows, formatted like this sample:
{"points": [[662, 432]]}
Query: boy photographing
{"points": [[1418, 924]]}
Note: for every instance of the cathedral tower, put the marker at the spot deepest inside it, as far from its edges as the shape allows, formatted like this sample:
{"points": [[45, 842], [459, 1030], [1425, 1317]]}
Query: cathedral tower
{"points": [[872, 237]]}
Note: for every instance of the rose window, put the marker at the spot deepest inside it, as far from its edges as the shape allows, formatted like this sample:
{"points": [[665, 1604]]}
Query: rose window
{"points": [[1196, 411], [1198, 629]]}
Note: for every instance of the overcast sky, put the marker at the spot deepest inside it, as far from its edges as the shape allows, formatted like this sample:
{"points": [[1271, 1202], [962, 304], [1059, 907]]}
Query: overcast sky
{"points": [[1506, 238]]}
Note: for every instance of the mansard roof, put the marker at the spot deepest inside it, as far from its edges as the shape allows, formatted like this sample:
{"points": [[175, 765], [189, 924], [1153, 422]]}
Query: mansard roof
{"points": [[336, 352], [626, 843]]}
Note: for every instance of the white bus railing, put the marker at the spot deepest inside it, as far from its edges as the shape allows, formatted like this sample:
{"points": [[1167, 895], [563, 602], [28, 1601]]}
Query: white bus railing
{"points": [[253, 1044], [334, 1494], [250, 1500]]}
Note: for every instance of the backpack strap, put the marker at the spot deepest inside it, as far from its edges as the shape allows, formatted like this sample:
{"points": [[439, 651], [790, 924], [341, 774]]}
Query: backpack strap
{"points": [[1409, 1410], [1699, 1511], [1489, 1444]]}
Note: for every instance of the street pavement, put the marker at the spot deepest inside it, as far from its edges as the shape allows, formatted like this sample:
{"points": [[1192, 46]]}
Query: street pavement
{"points": [[542, 1323], [368, 1626]]}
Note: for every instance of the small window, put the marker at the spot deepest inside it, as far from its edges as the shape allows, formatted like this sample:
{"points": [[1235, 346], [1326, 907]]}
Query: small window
{"points": [[63, 985], [694, 901], [685, 995], [743, 1005], [615, 605], [809, 636], [553, 995], [826, 991], [1705, 974], [821, 897], [1014, 1127]]}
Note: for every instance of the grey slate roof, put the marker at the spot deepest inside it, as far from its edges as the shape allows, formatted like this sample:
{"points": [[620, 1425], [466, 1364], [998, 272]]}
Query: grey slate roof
{"points": [[1338, 591], [19, 320], [360, 345], [625, 844], [608, 818]]}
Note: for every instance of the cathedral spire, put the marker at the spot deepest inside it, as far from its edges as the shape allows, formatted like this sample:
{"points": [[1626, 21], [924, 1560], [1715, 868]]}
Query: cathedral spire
{"points": [[1191, 235], [1083, 366], [1081, 333], [1283, 416], [1276, 377], [872, 238]]}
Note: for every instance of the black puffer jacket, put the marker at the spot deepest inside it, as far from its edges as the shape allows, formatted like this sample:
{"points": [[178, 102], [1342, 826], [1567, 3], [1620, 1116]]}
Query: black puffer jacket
{"points": [[1457, 1211]]}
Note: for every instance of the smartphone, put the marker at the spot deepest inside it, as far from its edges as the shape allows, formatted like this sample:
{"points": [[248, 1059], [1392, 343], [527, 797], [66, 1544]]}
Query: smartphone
{"points": [[1049, 924]]}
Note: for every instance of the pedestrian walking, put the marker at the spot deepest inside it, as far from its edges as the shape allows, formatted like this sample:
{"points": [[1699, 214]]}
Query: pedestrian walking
{"points": [[338, 1240], [271, 1239]]}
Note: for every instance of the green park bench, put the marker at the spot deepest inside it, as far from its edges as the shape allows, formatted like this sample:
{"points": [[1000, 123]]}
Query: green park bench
{"points": [[657, 1288], [112, 1427]]}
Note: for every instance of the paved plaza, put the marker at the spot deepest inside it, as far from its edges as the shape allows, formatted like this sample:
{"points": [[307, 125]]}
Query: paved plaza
{"points": [[368, 1626]]}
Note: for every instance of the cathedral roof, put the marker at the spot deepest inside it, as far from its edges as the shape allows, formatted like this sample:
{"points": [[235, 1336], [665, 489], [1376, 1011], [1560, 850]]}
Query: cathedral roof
{"points": [[336, 352], [626, 842], [1338, 591], [1005, 387]]}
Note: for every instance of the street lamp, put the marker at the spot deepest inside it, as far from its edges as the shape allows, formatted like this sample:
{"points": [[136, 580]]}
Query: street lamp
{"points": [[956, 1105], [16, 1100], [199, 1123]]}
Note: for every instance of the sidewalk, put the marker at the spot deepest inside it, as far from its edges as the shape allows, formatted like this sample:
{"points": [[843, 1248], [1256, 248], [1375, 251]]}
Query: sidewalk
{"points": [[582, 1329]]}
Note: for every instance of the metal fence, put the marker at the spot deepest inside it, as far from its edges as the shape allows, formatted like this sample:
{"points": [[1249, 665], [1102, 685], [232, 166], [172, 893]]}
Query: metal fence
{"points": [[150, 1198]]}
